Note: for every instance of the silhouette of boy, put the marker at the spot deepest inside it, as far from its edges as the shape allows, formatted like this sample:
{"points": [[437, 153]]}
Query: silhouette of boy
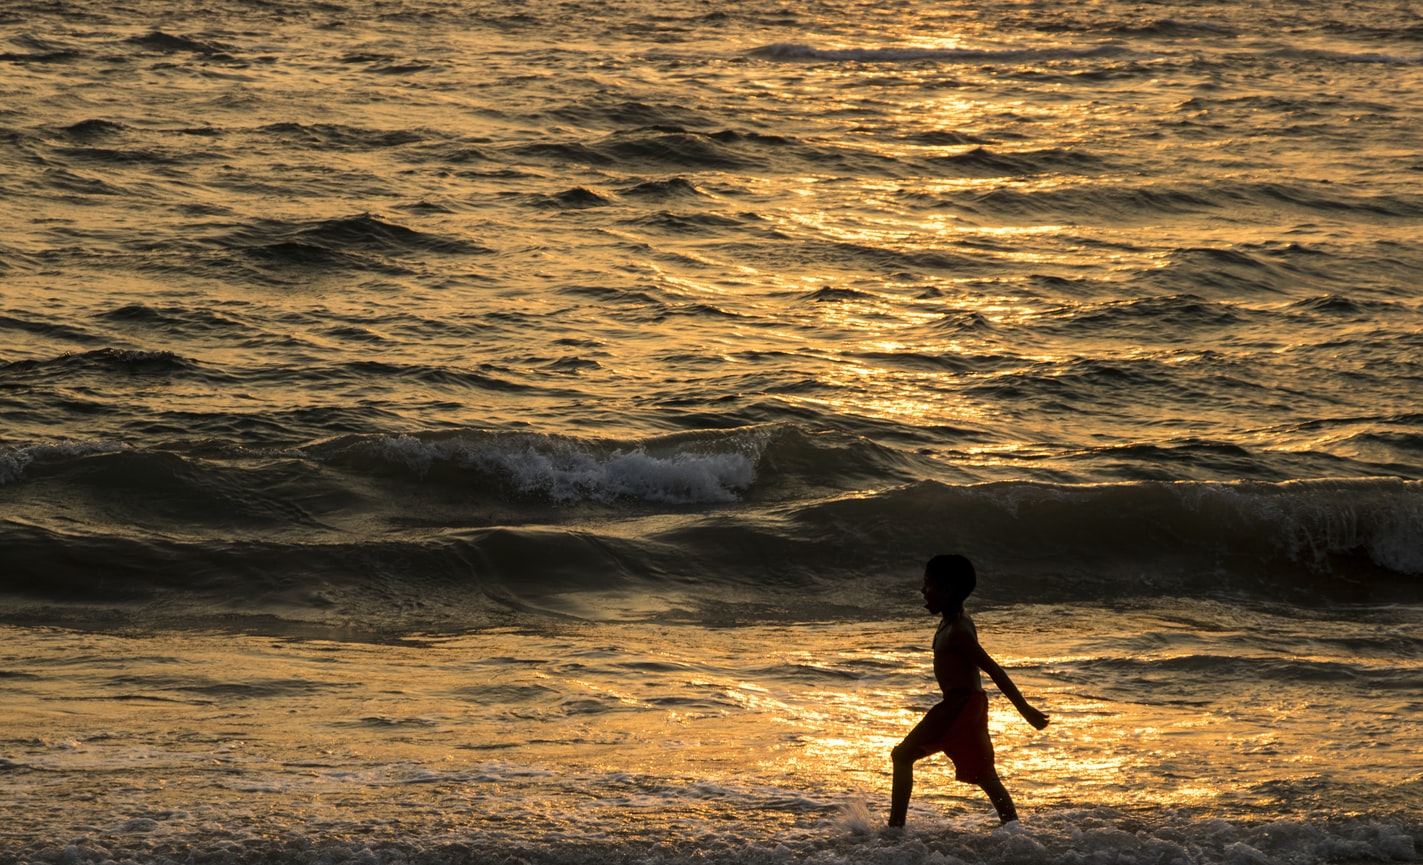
{"points": [[958, 725]]}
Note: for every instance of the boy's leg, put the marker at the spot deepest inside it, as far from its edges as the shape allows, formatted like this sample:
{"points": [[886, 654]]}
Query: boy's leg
{"points": [[920, 743], [903, 784], [998, 795]]}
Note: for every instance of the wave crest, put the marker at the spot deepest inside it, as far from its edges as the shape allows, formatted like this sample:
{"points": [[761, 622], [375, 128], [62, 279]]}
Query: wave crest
{"points": [[675, 470]]}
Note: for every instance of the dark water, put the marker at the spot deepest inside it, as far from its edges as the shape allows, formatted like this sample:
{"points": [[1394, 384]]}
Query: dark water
{"points": [[448, 530]]}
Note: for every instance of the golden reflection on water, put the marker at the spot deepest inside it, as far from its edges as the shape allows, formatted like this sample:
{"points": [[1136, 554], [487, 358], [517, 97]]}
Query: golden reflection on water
{"points": [[495, 721], [894, 396]]}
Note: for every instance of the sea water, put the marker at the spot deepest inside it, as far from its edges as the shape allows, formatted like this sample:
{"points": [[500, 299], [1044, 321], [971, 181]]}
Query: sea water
{"points": [[444, 431]]}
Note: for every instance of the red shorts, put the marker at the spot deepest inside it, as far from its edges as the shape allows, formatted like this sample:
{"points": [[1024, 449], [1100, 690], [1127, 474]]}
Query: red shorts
{"points": [[959, 729]]}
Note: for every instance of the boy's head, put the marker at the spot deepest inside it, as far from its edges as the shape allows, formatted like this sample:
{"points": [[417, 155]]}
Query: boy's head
{"points": [[953, 578]]}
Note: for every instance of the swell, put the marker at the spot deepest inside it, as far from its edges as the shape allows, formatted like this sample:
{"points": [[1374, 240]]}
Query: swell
{"points": [[795, 51], [1190, 672], [296, 252], [362, 242], [1306, 541], [441, 530], [1126, 201], [511, 469]]}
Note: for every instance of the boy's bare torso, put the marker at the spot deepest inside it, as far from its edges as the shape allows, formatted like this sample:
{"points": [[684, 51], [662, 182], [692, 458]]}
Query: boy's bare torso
{"points": [[955, 665]]}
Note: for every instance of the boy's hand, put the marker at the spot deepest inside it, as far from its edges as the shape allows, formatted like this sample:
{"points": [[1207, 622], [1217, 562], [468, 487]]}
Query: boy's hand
{"points": [[1034, 717]]}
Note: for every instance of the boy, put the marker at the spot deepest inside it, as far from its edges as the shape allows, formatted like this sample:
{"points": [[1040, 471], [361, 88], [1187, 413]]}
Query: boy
{"points": [[958, 725]]}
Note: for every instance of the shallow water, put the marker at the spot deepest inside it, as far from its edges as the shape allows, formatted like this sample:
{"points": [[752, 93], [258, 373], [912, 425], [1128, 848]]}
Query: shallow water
{"points": [[1180, 730]]}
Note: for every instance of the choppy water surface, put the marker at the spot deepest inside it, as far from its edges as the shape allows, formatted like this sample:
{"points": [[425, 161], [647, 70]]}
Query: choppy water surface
{"points": [[571, 392], [1098, 243]]}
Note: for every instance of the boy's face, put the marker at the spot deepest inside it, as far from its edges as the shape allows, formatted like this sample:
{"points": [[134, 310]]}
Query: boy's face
{"points": [[934, 598]]}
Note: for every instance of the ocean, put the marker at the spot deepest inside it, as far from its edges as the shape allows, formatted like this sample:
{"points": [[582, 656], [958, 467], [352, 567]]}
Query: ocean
{"points": [[444, 431]]}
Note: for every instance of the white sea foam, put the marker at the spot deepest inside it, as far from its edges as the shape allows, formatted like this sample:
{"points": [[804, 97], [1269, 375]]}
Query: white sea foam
{"points": [[1070, 837], [13, 461], [565, 470], [677, 479], [1318, 519], [855, 818]]}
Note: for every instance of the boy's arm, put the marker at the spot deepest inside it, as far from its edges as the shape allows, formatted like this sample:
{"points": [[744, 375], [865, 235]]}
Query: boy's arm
{"points": [[1010, 690]]}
